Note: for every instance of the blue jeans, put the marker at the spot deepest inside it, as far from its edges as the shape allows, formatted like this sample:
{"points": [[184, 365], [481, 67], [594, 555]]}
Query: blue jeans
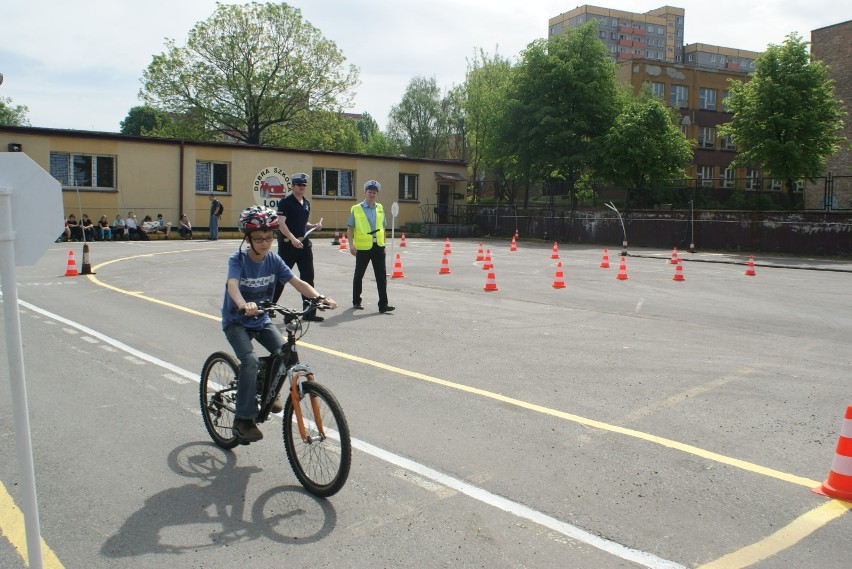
{"points": [[240, 339], [214, 227]]}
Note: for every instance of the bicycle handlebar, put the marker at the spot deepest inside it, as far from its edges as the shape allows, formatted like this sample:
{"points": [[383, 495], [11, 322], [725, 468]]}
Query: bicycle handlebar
{"points": [[272, 308]]}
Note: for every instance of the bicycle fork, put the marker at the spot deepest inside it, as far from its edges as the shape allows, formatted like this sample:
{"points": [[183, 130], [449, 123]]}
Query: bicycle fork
{"points": [[297, 375]]}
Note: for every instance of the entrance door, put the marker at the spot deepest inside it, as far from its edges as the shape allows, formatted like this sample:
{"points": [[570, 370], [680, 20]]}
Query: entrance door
{"points": [[444, 203]]}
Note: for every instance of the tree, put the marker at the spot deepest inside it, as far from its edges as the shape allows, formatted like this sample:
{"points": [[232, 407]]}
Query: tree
{"points": [[367, 127], [644, 143], [420, 120], [786, 119], [562, 99], [383, 145], [247, 68], [321, 130], [13, 115], [143, 119]]}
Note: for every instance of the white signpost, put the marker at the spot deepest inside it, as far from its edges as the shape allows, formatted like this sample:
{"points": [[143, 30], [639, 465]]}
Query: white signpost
{"points": [[30, 219], [394, 213]]}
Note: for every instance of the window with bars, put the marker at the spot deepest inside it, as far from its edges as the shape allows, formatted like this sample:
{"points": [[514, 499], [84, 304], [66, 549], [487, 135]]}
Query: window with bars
{"points": [[212, 177], [84, 170]]}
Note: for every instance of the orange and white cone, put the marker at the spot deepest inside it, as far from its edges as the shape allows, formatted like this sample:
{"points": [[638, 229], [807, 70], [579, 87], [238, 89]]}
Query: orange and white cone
{"points": [[839, 482], [559, 279], [514, 245], [71, 270], [750, 270], [555, 254], [445, 265], [487, 264], [480, 256], [397, 269], [343, 245], [605, 260], [678, 276], [447, 247], [490, 282], [402, 241], [674, 259], [622, 271]]}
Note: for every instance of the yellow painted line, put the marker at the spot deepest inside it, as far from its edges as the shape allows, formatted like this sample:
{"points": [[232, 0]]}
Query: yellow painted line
{"points": [[791, 534], [13, 528]]}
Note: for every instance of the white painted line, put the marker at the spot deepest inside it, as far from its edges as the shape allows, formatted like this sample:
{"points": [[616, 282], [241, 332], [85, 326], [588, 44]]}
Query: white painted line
{"points": [[520, 510]]}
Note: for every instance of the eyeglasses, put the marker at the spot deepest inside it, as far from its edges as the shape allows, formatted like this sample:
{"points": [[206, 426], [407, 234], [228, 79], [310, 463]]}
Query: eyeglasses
{"points": [[259, 240]]}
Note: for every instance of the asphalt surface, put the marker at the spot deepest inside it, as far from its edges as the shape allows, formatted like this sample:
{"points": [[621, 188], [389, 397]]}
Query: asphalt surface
{"points": [[608, 424]]}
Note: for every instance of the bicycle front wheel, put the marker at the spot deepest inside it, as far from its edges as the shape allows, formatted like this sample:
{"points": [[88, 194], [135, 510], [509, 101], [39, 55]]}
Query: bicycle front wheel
{"points": [[321, 460], [218, 392]]}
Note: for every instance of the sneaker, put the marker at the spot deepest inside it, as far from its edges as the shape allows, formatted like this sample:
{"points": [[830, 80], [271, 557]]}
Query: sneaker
{"points": [[387, 308], [247, 431], [277, 406], [357, 306]]}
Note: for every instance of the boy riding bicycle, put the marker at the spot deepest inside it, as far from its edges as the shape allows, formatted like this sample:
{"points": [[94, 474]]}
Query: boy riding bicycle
{"points": [[251, 279]]}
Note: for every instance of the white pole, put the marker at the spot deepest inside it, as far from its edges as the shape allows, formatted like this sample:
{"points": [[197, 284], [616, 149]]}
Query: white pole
{"points": [[15, 351]]}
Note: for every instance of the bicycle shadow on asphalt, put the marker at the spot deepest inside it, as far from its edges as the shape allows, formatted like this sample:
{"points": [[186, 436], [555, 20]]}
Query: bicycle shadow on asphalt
{"points": [[211, 513]]}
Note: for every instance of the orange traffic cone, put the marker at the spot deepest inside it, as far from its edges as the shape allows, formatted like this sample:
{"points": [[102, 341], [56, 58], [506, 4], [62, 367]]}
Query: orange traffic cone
{"points": [[674, 259], [555, 254], [622, 271], [447, 247], [839, 482], [343, 245], [514, 245], [71, 271], [487, 264], [397, 269], [490, 282], [559, 280], [605, 261], [445, 265], [479, 255], [402, 241], [678, 276], [750, 270]]}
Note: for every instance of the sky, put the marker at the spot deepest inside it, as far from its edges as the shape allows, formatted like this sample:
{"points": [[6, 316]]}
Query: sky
{"points": [[78, 64]]}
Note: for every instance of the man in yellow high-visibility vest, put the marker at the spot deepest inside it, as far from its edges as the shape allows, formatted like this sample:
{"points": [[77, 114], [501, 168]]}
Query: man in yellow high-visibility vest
{"points": [[366, 235]]}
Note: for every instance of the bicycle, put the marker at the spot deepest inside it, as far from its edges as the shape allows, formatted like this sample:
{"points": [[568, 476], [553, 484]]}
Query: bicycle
{"points": [[316, 433]]}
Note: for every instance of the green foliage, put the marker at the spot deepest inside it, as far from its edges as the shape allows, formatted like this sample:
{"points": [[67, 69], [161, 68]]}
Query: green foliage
{"points": [[644, 143], [786, 119], [367, 127], [143, 119], [382, 145], [11, 114], [247, 68], [420, 122], [320, 131], [562, 99]]}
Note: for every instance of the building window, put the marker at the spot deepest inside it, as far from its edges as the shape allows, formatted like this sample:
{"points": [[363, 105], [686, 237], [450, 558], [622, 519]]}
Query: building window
{"points": [[726, 143], [212, 177], [725, 96], [707, 137], [752, 179], [707, 99], [332, 183], [774, 185], [705, 176], [658, 90], [408, 187], [602, 35], [83, 170], [613, 23], [728, 177], [678, 96]]}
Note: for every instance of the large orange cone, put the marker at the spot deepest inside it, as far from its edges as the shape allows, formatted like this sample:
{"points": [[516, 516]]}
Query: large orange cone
{"points": [[480, 256], [514, 245], [555, 254], [397, 269], [490, 282], [839, 482], [402, 241], [678, 276], [674, 259], [750, 270], [447, 247], [86, 267], [622, 271], [559, 280], [487, 264], [605, 261], [445, 265], [71, 271], [343, 245]]}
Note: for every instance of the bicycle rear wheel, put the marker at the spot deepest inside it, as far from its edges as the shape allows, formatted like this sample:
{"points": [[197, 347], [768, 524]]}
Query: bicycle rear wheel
{"points": [[218, 393], [321, 463]]}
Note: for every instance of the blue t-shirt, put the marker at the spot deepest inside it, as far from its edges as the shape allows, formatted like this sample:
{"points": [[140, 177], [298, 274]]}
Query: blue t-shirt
{"points": [[257, 283]]}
